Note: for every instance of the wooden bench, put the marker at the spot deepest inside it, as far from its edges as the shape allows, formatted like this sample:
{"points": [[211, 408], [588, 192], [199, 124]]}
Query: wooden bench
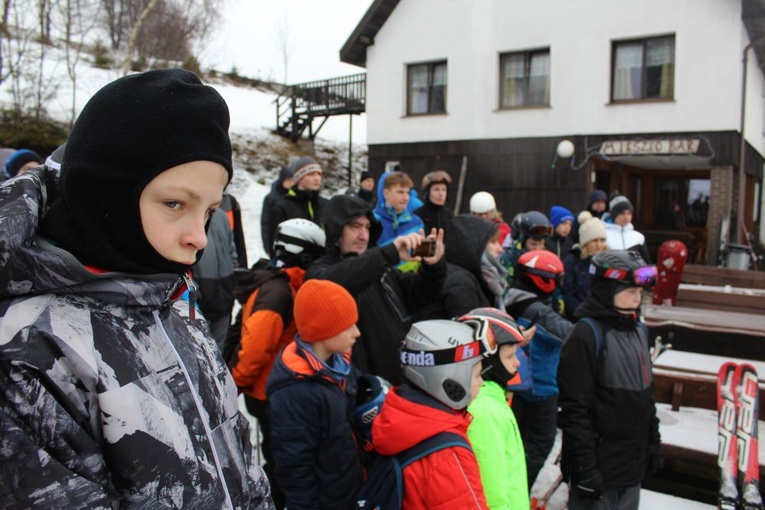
{"points": [[689, 379], [728, 299], [721, 276]]}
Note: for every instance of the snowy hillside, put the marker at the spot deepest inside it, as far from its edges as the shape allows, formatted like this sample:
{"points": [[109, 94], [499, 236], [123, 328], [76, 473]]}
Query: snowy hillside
{"points": [[253, 117]]}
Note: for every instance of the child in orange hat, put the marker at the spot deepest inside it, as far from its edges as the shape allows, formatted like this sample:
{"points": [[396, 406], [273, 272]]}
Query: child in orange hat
{"points": [[311, 392]]}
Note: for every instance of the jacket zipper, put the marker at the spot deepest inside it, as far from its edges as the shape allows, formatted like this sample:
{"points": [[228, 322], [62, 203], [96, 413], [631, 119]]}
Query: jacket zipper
{"points": [[192, 287], [198, 404]]}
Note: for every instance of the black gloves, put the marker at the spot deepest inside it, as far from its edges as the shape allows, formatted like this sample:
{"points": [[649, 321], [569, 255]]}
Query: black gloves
{"points": [[588, 484], [652, 458]]}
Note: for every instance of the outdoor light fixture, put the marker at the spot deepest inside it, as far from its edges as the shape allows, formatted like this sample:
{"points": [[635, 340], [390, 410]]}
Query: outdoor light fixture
{"points": [[566, 150]]}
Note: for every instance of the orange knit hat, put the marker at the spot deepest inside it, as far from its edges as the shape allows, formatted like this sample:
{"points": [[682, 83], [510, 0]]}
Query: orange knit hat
{"points": [[323, 309]]}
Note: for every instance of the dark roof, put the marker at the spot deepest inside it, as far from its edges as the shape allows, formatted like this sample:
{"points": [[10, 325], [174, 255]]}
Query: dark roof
{"points": [[753, 16], [354, 51]]}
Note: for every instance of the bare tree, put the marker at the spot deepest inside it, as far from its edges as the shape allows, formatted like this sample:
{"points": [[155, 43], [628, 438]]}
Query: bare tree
{"points": [[79, 18], [134, 35], [283, 36]]}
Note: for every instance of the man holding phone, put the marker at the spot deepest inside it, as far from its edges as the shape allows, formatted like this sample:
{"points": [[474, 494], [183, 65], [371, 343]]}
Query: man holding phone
{"points": [[388, 299]]}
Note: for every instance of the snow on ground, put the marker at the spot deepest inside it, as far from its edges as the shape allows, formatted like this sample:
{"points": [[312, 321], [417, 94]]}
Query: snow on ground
{"points": [[649, 500]]}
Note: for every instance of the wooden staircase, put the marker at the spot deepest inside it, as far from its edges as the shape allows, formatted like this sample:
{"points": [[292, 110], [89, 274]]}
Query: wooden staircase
{"points": [[300, 105]]}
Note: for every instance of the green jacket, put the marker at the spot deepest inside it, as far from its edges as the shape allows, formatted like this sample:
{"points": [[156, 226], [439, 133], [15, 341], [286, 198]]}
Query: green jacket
{"points": [[497, 444]]}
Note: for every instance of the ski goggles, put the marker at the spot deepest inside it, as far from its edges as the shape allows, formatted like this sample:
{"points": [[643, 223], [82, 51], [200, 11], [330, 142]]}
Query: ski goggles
{"points": [[557, 277], [540, 230], [484, 344], [641, 277], [437, 176]]}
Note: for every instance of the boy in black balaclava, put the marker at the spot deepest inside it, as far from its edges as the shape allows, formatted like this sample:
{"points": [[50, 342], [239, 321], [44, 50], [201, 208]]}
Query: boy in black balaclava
{"points": [[119, 391]]}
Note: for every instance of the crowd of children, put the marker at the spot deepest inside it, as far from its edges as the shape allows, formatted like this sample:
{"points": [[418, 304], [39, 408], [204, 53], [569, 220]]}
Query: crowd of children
{"points": [[115, 389]]}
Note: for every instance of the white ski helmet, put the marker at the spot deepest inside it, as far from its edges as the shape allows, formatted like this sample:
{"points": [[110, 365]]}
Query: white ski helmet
{"points": [[298, 242], [438, 357], [482, 202]]}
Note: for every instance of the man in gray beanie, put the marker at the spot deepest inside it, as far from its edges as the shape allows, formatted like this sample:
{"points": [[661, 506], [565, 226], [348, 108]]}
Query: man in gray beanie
{"points": [[302, 200], [621, 234]]}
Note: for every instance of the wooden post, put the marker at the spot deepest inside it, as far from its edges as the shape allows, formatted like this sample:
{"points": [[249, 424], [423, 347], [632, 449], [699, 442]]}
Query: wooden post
{"points": [[461, 185]]}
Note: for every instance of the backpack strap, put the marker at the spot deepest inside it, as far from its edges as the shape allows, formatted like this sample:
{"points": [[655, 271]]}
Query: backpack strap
{"points": [[422, 449], [598, 332]]}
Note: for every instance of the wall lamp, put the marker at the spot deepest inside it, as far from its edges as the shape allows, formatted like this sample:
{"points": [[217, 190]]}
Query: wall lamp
{"points": [[566, 150]]}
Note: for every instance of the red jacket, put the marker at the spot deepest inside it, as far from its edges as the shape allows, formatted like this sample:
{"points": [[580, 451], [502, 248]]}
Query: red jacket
{"points": [[445, 479], [267, 326]]}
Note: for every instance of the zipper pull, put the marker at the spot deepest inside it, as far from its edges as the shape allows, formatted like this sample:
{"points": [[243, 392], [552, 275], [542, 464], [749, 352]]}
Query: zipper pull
{"points": [[192, 288]]}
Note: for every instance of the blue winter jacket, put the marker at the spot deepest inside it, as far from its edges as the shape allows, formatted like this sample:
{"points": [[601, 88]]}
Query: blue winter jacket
{"points": [[544, 349]]}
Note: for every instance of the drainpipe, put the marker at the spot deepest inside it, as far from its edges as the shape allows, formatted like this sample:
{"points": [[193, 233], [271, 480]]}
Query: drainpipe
{"points": [[742, 148]]}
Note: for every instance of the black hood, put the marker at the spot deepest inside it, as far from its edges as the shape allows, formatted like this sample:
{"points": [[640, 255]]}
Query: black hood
{"points": [[339, 211], [466, 241]]}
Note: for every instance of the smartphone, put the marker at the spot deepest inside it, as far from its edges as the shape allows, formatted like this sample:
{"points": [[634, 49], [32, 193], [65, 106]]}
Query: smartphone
{"points": [[535, 319], [426, 249]]}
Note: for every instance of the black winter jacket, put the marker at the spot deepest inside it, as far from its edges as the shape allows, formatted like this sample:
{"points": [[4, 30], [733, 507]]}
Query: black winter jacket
{"points": [[464, 288], [435, 216], [296, 204], [388, 299], [608, 415], [560, 246], [276, 193]]}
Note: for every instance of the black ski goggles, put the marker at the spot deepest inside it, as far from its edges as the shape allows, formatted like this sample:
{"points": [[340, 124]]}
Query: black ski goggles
{"points": [[541, 231], [641, 277]]}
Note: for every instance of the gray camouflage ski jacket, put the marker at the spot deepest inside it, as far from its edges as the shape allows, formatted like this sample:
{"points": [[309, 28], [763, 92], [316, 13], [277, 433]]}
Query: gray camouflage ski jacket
{"points": [[110, 395]]}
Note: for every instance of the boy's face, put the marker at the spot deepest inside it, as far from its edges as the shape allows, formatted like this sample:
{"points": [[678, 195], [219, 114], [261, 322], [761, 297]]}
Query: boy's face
{"points": [[599, 206], [564, 228], [397, 197], [437, 193], [476, 381], [342, 343], [628, 300], [176, 205], [508, 358], [367, 184], [624, 218], [310, 182], [535, 244]]}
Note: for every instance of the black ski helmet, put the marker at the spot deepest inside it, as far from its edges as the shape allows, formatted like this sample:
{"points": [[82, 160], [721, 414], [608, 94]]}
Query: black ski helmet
{"points": [[535, 225]]}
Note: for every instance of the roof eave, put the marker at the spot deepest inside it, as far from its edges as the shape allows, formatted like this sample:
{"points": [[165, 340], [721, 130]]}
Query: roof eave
{"points": [[354, 51]]}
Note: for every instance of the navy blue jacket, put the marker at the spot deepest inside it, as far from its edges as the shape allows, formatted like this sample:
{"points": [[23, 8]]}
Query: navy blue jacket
{"points": [[313, 444], [576, 282]]}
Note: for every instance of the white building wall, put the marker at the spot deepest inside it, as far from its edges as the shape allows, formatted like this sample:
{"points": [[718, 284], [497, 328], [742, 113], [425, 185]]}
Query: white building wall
{"points": [[470, 35]]}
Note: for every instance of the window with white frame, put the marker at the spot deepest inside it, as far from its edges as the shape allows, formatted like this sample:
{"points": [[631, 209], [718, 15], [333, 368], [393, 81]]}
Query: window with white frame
{"points": [[524, 79], [426, 88], [643, 69]]}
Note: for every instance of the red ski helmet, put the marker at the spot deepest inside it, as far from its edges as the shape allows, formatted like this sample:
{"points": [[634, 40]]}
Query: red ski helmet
{"points": [[543, 268]]}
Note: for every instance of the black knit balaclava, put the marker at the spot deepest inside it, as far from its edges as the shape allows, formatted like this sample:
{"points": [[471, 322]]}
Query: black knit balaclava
{"points": [[129, 132]]}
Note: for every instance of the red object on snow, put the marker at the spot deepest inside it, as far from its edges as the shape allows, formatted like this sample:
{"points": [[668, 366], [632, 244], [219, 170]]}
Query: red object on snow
{"points": [[669, 268]]}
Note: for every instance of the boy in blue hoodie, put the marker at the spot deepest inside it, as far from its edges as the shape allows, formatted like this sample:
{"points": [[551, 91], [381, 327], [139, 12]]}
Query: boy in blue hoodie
{"points": [[392, 209], [311, 392]]}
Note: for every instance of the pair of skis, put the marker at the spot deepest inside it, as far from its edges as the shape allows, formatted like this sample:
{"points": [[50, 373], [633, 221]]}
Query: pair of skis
{"points": [[738, 448]]}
